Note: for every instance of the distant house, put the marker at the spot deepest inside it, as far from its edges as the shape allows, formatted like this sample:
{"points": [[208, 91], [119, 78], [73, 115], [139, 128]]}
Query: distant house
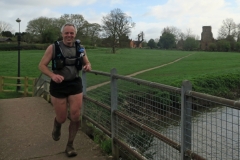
{"points": [[135, 44], [5, 39], [138, 43]]}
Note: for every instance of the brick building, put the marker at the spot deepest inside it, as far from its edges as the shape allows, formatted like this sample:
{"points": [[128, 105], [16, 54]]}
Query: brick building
{"points": [[135, 44]]}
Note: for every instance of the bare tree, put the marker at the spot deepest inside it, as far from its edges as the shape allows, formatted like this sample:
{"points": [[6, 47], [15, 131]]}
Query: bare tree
{"points": [[156, 40], [227, 29], [182, 36], [116, 25], [5, 27], [140, 39], [238, 32], [188, 32]]}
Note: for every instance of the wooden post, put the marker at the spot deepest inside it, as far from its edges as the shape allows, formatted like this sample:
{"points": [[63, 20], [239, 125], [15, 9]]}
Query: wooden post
{"points": [[33, 85], [1, 83], [25, 86]]}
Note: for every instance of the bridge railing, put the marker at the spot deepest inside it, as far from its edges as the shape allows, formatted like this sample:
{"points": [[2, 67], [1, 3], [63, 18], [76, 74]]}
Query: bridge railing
{"points": [[147, 120], [41, 87]]}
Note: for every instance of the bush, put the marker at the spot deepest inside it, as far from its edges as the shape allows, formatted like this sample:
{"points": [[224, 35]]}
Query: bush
{"points": [[223, 45], [212, 47], [14, 46], [26, 46], [224, 85], [237, 46]]}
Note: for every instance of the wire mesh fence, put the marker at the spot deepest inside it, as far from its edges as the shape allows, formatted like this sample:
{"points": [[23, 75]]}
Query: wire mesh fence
{"points": [[154, 121], [155, 108], [215, 128]]}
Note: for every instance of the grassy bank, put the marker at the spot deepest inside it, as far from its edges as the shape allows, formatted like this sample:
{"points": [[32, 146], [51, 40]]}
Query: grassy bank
{"points": [[216, 73]]}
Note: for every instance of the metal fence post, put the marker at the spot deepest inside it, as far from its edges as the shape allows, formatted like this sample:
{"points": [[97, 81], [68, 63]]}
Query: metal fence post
{"points": [[114, 102], [84, 83], [186, 116]]}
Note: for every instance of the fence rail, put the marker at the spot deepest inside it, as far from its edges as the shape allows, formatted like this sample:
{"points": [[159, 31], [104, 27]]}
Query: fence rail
{"points": [[147, 120], [8, 83]]}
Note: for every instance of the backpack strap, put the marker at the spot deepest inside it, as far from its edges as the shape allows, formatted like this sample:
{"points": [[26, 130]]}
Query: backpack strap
{"points": [[79, 54], [58, 62]]}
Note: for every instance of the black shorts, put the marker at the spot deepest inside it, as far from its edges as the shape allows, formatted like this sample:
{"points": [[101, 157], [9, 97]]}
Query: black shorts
{"points": [[66, 88]]}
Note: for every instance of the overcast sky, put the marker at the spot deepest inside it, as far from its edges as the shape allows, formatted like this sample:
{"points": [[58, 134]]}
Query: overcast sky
{"points": [[150, 16]]}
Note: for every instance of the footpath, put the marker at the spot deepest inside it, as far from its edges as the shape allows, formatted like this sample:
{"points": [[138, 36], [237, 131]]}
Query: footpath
{"points": [[25, 133]]}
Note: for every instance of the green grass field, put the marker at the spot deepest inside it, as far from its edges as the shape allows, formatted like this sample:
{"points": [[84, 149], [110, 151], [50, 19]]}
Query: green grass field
{"points": [[195, 66], [128, 61]]}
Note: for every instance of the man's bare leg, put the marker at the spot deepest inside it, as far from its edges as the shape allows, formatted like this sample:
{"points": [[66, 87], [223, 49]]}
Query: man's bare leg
{"points": [[75, 103], [60, 107]]}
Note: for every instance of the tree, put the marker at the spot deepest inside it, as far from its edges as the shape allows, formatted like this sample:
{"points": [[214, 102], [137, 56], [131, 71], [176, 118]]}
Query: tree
{"points": [[231, 41], [238, 46], [92, 32], [151, 43], [238, 32], [49, 35], [27, 37], [212, 47], [40, 26], [144, 43], [167, 41], [4, 27], [7, 34], [190, 44], [227, 29], [79, 21], [175, 31], [223, 45], [115, 25], [189, 34]]}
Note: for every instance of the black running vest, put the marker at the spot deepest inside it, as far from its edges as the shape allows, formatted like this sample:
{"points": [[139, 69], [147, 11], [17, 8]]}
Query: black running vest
{"points": [[59, 60]]}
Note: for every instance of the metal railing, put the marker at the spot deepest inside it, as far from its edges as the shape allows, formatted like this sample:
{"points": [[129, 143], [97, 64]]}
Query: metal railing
{"points": [[147, 120], [41, 87]]}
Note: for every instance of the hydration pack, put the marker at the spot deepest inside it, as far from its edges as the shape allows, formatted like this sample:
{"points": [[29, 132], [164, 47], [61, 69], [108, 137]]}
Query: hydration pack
{"points": [[59, 61]]}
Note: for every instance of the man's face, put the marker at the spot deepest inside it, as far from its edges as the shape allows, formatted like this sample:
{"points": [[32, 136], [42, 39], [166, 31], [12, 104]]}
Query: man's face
{"points": [[68, 34]]}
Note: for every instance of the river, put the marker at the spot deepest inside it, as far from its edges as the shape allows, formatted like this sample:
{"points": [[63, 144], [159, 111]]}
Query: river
{"points": [[215, 136]]}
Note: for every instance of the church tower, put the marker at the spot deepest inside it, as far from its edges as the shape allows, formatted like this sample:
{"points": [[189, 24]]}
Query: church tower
{"points": [[206, 37]]}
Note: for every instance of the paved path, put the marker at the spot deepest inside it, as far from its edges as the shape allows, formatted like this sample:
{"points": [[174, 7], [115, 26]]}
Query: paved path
{"points": [[25, 133]]}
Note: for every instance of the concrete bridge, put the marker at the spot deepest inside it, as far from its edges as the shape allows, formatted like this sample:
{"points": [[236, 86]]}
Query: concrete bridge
{"points": [[25, 133]]}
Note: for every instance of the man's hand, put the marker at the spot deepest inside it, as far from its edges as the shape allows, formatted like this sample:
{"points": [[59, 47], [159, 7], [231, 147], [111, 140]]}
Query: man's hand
{"points": [[87, 67], [57, 78]]}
